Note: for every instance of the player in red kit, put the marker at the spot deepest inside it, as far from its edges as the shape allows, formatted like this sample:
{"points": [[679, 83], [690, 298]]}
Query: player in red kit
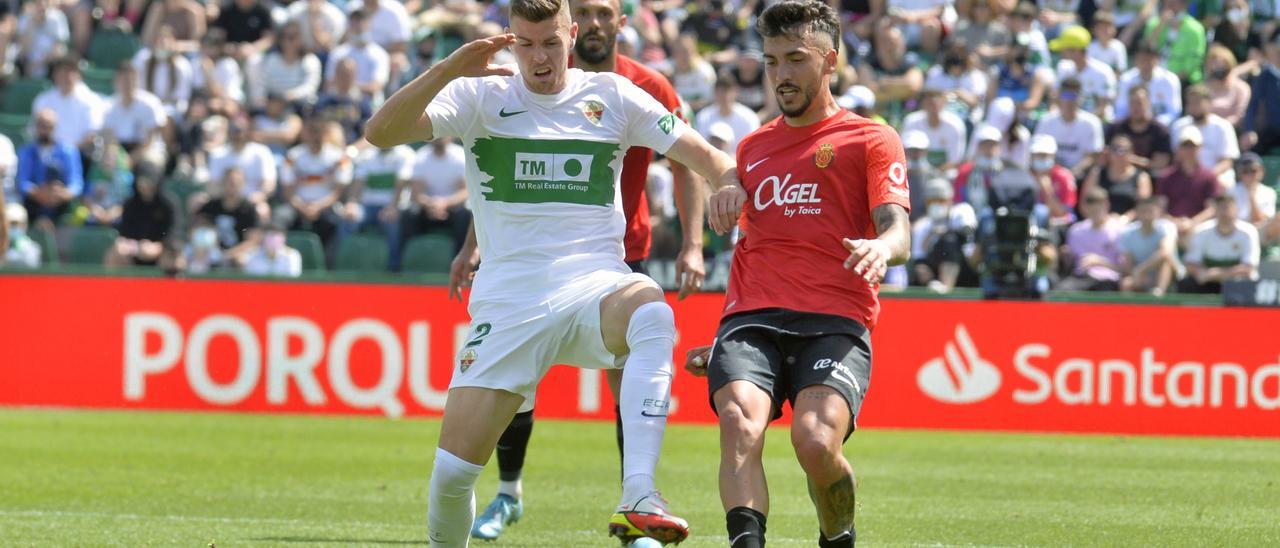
{"points": [[825, 215], [599, 22]]}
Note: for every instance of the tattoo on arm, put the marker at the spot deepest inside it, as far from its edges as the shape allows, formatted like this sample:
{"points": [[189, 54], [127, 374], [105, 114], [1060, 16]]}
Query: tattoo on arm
{"points": [[893, 226]]}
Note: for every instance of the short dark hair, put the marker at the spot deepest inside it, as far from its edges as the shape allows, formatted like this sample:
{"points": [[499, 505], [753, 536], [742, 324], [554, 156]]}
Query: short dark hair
{"points": [[796, 18], [536, 11], [726, 80], [1071, 84], [1154, 200]]}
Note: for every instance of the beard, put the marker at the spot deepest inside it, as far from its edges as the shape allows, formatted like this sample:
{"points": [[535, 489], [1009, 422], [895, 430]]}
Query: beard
{"points": [[591, 55], [797, 111]]}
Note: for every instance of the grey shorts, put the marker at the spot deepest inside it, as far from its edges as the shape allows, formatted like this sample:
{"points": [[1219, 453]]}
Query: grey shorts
{"points": [[784, 352]]}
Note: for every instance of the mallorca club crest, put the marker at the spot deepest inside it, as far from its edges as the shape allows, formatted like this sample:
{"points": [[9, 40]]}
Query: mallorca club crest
{"points": [[468, 358], [826, 153], [593, 110]]}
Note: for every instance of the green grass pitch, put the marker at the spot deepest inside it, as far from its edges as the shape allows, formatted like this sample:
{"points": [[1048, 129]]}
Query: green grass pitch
{"points": [[93, 478]]}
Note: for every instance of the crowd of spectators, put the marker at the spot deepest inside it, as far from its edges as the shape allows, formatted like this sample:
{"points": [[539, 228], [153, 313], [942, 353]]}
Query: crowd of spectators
{"points": [[1138, 132]]}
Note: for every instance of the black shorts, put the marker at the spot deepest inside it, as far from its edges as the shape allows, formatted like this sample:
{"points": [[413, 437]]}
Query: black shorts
{"points": [[784, 352]]}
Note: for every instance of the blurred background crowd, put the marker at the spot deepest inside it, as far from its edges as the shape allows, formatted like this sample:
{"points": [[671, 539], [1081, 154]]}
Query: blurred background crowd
{"points": [[1142, 136]]}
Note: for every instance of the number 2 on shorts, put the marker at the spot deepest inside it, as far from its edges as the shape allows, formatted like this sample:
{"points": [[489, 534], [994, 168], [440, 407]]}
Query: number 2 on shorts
{"points": [[482, 331]]}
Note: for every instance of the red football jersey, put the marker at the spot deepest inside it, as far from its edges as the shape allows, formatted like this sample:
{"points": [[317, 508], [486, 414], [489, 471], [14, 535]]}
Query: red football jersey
{"points": [[808, 188], [635, 165]]}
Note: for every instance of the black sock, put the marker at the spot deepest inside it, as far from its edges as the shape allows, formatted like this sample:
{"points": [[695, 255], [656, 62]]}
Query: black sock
{"points": [[617, 421], [512, 446], [746, 527], [845, 540]]}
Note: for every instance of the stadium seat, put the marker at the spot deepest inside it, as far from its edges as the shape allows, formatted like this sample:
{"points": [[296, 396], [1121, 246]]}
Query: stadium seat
{"points": [[108, 48], [21, 93], [309, 246], [1272, 166], [428, 254], [14, 126], [48, 246], [89, 244], [100, 80], [362, 253]]}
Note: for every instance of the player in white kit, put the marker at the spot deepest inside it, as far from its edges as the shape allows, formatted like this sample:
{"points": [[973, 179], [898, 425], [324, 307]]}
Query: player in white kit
{"points": [[544, 154]]}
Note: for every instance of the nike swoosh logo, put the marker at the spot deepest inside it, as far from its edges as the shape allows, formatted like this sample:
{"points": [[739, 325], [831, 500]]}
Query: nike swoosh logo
{"points": [[735, 540], [753, 165], [648, 414], [503, 112]]}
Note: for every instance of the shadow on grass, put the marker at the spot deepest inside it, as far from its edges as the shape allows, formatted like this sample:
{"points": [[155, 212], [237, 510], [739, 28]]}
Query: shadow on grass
{"points": [[327, 540]]}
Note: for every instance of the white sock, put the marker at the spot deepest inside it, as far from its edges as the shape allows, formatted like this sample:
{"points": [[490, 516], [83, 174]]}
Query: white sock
{"points": [[451, 501], [646, 395], [512, 488]]}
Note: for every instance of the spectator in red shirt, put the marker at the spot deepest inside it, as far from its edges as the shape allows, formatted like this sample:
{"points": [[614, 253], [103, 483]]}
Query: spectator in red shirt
{"points": [[1188, 186], [1057, 184]]}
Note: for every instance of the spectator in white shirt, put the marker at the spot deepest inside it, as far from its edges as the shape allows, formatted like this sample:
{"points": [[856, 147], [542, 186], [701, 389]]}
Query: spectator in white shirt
{"points": [[438, 193], [1223, 248], [1220, 148], [166, 74], [8, 166], [1163, 87], [379, 181], [255, 162], [316, 174], [1077, 132], [289, 71], [1105, 47], [42, 36], [390, 29], [373, 65], [1097, 80], [693, 77], [321, 23], [219, 75], [135, 118], [79, 109], [727, 109], [946, 131], [274, 257], [960, 78], [1256, 201]]}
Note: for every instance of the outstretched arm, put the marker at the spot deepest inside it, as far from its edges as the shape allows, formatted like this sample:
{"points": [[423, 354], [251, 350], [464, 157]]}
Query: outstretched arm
{"points": [[872, 258], [719, 170], [403, 118]]}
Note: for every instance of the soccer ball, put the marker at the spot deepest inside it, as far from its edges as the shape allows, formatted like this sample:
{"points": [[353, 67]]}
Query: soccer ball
{"points": [[644, 542]]}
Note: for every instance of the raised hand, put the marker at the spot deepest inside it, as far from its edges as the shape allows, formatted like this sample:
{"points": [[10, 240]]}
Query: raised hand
{"points": [[475, 58]]}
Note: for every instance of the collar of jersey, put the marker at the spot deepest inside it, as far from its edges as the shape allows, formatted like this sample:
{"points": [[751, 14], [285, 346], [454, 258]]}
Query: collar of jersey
{"points": [[571, 86]]}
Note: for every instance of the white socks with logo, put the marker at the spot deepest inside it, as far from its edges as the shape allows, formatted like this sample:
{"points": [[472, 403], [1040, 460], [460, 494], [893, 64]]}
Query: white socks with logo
{"points": [[646, 395], [451, 501]]}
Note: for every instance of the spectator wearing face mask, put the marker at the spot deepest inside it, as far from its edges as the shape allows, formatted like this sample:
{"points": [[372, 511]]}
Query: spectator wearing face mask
{"points": [[1236, 33], [988, 182], [274, 257], [202, 253], [1057, 185], [1002, 115], [22, 250], [1149, 250], [942, 240], [373, 65], [1224, 248], [1228, 94], [919, 170], [1093, 247]]}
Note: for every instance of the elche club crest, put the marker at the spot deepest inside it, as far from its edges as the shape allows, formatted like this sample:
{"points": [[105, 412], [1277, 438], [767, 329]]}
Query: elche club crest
{"points": [[593, 110], [468, 357], [826, 153]]}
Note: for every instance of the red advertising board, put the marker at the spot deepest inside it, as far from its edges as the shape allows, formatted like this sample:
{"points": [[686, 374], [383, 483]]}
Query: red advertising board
{"points": [[389, 350]]}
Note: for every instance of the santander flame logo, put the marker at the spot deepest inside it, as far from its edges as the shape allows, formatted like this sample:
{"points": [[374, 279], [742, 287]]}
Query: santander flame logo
{"points": [[961, 375]]}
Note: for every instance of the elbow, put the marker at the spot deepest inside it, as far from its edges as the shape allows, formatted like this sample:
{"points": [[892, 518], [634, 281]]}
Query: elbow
{"points": [[377, 135]]}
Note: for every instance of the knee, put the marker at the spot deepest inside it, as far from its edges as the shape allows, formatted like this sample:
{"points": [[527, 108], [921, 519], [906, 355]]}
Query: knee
{"points": [[737, 427], [817, 448]]}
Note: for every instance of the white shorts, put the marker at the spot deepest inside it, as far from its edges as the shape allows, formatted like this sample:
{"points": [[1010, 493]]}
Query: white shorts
{"points": [[512, 344]]}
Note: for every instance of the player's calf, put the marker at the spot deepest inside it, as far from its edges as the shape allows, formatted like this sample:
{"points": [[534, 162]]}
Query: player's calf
{"points": [[821, 422]]}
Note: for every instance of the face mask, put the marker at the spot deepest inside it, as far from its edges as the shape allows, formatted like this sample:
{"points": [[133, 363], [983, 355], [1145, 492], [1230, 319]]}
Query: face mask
{"points": [[937, 212], [986, 163], [1219, 74], [916, 163], [162, 54], [16, 233], [1237, 15], [204, 238], [363, 38], [1042, 164], [273, 242]]}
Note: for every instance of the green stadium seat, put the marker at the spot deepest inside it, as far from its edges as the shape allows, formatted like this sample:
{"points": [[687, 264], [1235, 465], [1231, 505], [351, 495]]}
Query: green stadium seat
{"points": [[362, 253], [89, 244], [108, 48], [1272, 166], [309, 246], [100, 80], [14, 126], [21, 93], [48, 246], [428, 254]]}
